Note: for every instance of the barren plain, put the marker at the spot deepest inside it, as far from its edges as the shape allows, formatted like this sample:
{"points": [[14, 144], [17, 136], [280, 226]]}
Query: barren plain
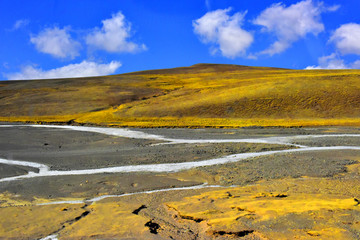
{"points": [[202, 152], [261, 184]]}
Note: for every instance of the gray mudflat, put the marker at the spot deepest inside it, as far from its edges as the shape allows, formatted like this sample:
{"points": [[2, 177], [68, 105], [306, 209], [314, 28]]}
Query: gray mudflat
{"points": [[239, 133], [293, 165], [68, 150], [329, 141], [92, 185], [12, 170]]}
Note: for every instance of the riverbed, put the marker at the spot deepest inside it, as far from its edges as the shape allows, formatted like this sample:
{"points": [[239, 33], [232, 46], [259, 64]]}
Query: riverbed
{"points": [[83, 165]]}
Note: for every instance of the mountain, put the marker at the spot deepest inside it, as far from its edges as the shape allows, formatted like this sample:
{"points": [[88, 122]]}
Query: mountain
{"points": [[202, 95]]}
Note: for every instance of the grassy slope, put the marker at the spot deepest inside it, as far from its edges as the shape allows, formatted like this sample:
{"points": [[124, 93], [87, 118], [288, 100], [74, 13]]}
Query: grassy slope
{"points": [[197, 96]]}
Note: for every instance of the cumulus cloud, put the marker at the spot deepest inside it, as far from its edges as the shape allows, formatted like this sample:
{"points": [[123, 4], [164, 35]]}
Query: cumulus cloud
{"points": [[56, 42], [330, 62], [347, 38], [114, 36], [292, 23], [223, 32], [83, 69]]}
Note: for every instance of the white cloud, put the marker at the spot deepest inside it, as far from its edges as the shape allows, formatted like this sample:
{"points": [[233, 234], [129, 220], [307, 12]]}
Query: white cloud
{"points": [[20, 24], [330, 62], [83, 69], [333, 8], [223, 32], [347, 38], [356, 64], [56, 42], [114, 36], [292, 23]]}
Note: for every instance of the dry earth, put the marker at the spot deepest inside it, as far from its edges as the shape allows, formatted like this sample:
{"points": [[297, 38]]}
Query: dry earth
{"points": [[296, 195]]}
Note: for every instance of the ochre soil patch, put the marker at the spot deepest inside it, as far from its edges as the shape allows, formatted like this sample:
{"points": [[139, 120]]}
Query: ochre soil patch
{"points": [[302, 208]]}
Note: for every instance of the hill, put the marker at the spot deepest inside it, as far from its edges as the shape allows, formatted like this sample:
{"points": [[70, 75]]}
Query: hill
{"points": [[202, 95]]}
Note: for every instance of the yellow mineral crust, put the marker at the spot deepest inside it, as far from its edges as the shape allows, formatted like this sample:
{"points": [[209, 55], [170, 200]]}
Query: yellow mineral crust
{"points": [[35, 222], [110, 220], [7, 200], [304, 208], [296, 210]]}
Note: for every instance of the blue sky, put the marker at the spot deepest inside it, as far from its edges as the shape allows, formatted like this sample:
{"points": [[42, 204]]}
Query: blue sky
{"points": [[66, 38]]}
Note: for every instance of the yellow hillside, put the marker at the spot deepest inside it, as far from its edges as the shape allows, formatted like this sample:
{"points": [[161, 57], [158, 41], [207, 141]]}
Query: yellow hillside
{"points": [[198, 96]]}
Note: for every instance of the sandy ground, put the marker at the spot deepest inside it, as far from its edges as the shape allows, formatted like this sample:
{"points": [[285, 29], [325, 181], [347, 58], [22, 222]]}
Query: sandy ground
{"points": [[297, 179]]}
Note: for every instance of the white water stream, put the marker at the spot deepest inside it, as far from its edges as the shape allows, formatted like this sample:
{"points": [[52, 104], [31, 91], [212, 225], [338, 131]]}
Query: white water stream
{"points": [[96, 199], [164, 167], [44, 170]]}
